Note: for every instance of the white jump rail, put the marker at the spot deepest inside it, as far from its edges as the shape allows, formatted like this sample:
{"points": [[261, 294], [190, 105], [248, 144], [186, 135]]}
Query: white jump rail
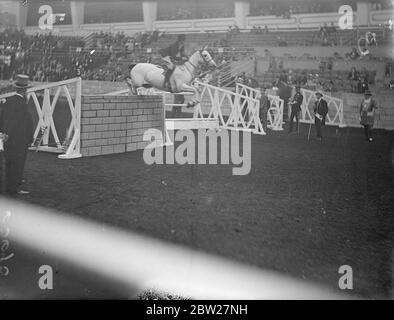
{"points": [[186, 123], [70, 148], [118, 93], [275, 111], [335, 115], [243, 111], [218, 109], [172, 124]]}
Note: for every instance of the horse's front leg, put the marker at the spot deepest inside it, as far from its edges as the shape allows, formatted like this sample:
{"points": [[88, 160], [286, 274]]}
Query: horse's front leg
{"points": [[196, 96], [131, 86]]}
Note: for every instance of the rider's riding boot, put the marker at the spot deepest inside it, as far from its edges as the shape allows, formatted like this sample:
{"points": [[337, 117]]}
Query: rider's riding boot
{"points": [[167, 78]]}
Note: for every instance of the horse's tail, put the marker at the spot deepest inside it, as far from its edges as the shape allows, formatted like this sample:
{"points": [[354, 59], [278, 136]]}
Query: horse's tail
{"points": [[131, 66]]}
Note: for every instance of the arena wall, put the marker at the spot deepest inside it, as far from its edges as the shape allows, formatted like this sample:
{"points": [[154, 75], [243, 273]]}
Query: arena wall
{"points": [[116, 124]]}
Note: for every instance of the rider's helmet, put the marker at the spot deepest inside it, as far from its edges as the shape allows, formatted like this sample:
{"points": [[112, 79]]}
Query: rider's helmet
{"points": [[181, 37]]}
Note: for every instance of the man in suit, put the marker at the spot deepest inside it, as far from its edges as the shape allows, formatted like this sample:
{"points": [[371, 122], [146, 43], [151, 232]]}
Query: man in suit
{"points": [[295, 105], [320, 110], [264, 107], [16, 124], [284, 93]]}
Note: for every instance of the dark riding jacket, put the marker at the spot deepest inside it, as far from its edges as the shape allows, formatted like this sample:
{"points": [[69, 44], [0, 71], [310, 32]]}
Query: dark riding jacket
{"points": [[174, 51]]}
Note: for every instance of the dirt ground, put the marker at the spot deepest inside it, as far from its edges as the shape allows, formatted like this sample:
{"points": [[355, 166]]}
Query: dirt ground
{"points": [[305, 209]]}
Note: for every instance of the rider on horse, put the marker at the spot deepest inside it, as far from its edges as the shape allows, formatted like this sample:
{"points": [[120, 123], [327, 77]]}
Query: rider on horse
{"points": [[174, 52]]}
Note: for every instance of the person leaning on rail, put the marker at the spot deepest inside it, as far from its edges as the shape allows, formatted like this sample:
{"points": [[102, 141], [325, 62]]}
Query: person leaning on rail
{"points": [[16, 124]]}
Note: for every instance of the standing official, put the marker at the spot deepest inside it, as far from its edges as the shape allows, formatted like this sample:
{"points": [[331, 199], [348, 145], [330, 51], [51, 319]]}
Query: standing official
{"points": [[284, 93], [16, 123], [320, 110], [295, 105], [264, 107], [367, 114]]}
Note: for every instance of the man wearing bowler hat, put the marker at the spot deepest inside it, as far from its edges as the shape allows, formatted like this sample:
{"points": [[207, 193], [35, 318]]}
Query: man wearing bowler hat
{"points": [[295, 105], [320, 110], [17, 126]]}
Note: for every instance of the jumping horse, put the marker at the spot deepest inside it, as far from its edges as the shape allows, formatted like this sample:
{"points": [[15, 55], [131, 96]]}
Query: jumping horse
{"points": [[151, 75]]}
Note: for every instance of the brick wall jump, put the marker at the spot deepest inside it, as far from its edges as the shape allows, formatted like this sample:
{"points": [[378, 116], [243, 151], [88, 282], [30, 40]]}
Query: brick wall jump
{"points": [[116, 124]]}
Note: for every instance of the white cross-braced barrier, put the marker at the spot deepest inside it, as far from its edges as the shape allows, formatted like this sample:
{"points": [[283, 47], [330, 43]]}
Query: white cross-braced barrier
{"points": [[335, 115], [178, 123], [217, 109], [242, 111], [46, 128], [275, 111]]}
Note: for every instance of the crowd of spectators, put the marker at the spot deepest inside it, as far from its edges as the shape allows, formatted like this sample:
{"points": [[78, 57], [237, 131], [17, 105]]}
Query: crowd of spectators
{"points": [[184, 13], [120, 41], [359, 80], [225, 13], [286, 11], [324, 78], [13, 40], [45, 57], [38, 56], [328, 34], [259, 30], [246, 80], [382, 5], [231, 32], [363, 51], [17, 50]]}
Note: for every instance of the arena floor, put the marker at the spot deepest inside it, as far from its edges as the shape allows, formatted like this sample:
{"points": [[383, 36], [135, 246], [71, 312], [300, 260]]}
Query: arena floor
{"points": [[305, 209]]}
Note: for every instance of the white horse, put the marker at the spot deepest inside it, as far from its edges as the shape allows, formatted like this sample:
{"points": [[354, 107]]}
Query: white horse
{"points": [[147, 74]]}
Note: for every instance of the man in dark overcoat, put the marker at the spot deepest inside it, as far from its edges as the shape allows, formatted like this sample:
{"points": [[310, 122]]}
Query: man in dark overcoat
{"points": [[295, 105], [320, 110], [17, 126]]}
